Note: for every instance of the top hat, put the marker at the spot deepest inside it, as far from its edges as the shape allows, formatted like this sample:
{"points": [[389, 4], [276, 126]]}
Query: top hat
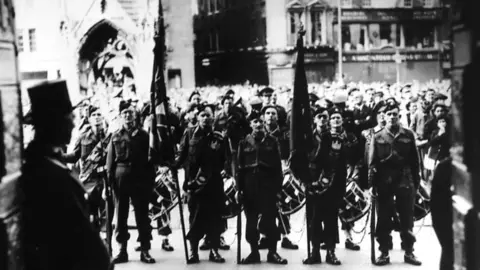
{"points": [[49, 99]]}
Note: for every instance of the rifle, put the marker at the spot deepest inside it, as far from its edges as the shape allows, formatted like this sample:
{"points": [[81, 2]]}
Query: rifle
{"points": [[108, 213], [239, 217], [93, 160]]}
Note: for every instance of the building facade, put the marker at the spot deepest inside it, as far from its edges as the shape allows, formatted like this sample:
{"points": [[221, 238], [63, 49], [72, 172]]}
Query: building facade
{"points": [[254, 40], [69, 39]]}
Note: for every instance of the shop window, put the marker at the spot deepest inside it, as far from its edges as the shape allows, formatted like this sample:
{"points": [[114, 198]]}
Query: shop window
{"points": [[32, 38], [316, 22], [366, 3], [295, 19], [419, 36], [20, 45], [407, 3], [346, 3]]}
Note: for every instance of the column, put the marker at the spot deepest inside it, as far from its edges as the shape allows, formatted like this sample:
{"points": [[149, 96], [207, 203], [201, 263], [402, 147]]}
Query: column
{"points": [[323, 18]]}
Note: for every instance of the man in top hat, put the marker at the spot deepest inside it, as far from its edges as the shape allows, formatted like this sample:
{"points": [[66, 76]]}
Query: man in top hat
{"points": [[132, 177], [56, 221], [82, 151], [260, 181], [393, 168]]}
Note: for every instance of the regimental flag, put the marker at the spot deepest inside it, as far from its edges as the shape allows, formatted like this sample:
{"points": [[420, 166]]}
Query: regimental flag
{"points": [[301, 120], [162, 147]]}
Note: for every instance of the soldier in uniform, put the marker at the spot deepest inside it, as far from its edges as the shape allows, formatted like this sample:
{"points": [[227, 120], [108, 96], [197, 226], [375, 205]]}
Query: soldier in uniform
{"points": [[329, 169], [82, 150], [266, 95], [393, 168], [272, 128], [58, 234], [204, 156], [260, 181], [132, 177]]}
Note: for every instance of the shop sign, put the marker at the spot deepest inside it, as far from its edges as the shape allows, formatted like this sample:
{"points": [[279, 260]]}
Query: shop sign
{"points": [[383, 57], [391, 15]]}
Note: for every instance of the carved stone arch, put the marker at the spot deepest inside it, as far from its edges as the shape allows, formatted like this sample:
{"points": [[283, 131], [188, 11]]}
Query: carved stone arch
{"points": [[102, 42], [318, 5]]}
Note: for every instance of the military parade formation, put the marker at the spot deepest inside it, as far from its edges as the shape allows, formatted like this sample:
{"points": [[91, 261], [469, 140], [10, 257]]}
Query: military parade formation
{"points": [[369, 155]]}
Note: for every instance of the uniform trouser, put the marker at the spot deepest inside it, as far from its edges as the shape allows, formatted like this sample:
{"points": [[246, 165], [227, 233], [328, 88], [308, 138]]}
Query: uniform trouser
{"points": [[140, 197], [205, 219], [261, 217], [95, 201], [404, 203], [322, 222]]}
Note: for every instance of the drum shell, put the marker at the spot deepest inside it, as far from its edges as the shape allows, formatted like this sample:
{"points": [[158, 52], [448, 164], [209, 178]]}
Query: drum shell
{"points": [[357, 203], [293, 195]]}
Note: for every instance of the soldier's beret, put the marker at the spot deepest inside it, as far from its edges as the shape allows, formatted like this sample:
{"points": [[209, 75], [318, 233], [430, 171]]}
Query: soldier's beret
{"points": [[312, 97], [335, 110], [381, 109], [202, 107], [92, 109], [49, 99], [191, 107], [229, 92], [440, 96], [265, 91], [391, 100], [194, 93], [265, 108], [320, 111], [391, 106], [225, 97], [123, 106], [253, 115]]}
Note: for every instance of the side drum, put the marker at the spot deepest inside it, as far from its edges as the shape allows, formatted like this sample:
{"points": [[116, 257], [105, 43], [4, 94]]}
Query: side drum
{"points": [[165, 196], [232, 206], [293, 195], [357, 203], [422, 203]]}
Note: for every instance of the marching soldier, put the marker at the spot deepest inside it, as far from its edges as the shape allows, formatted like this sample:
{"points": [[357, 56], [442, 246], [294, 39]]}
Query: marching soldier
{"points": [[58, 234], [266, 95], [270, 115], [82, 150], [336, 149], [204, 155], [260, 180], [132, 177], [394, 171]]}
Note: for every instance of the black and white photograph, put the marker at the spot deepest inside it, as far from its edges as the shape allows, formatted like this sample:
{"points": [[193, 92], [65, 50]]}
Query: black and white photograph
{"points": [[239, 134]]}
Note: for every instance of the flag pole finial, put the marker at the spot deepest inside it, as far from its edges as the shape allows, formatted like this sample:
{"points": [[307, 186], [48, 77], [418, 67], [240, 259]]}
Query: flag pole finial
{"points": [[302, 31]]}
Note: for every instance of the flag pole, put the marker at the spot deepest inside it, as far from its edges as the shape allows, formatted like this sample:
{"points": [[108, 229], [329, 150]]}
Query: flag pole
{"points": [[159, 93]]}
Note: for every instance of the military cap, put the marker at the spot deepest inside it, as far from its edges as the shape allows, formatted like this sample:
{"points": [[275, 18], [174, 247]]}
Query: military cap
{"points": [[391, 106], [49, 99], [266, 90], [204, 106], [225, 97], [253, 115], [92, 109], [440, 96], [229, 92], [335, 110], [265, 108], [312, 97], [354, 89], [436, 105], [320, 111], [381, 109], [193, 94], [391, 100], [123, 106], [378, 93]]}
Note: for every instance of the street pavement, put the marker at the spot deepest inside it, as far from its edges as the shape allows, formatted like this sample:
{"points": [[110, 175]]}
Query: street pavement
{"points": [[427, 249]]}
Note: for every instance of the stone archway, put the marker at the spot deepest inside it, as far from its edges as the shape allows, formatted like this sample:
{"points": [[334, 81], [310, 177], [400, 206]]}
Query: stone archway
{"points": [[104, 51]]}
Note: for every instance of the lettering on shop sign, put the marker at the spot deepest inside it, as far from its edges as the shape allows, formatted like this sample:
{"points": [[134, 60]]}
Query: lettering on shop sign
{"points": [[389, 15], [390, 57]]}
